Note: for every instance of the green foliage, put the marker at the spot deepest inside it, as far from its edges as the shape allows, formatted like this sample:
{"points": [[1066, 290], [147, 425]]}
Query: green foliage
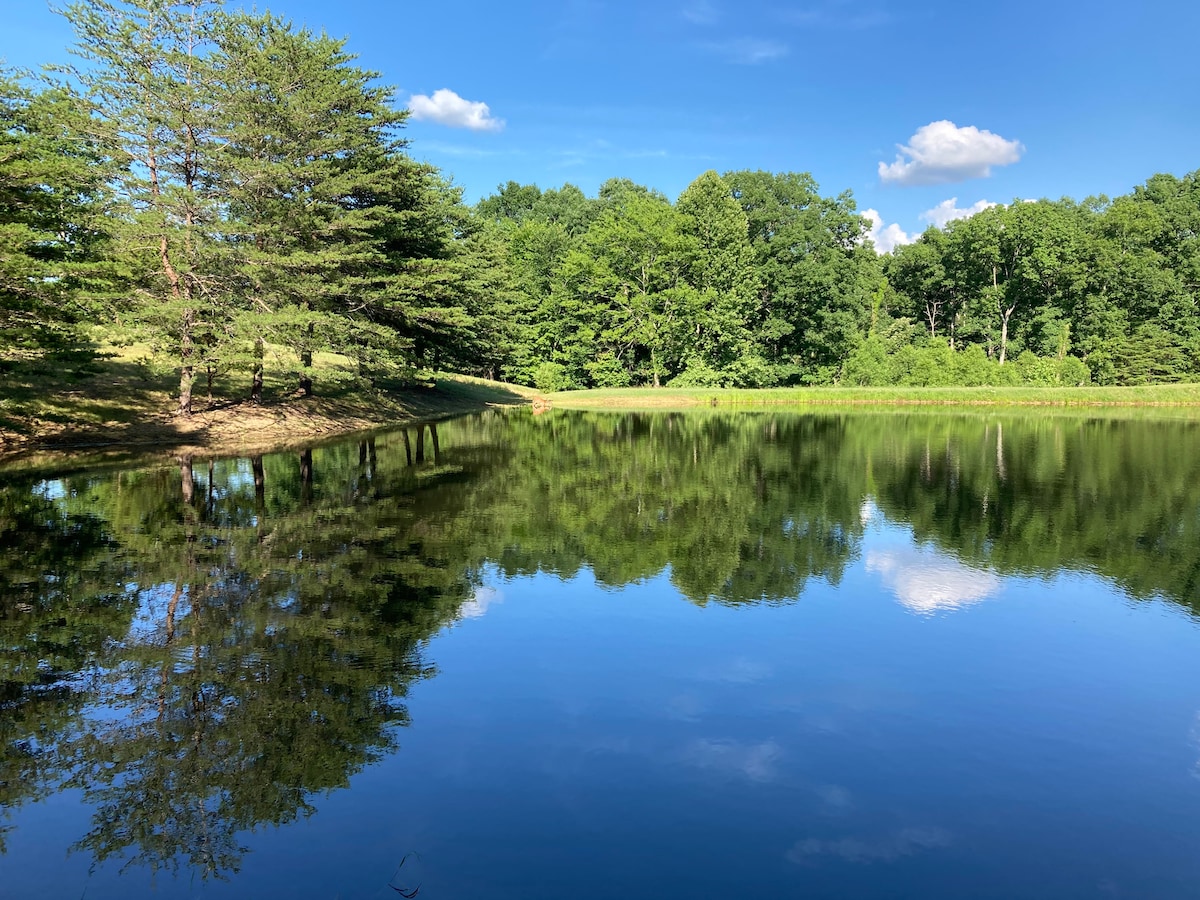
{"points": [[52, 234], [698, 373], [552, 376], [879, 362], [227, 180]]}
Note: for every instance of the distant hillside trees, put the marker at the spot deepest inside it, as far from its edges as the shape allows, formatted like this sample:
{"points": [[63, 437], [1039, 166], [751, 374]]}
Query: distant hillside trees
{"points": [[754, 278]]}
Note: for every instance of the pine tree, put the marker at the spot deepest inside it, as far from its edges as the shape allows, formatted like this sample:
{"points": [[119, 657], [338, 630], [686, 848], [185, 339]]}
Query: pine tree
{"points": [[52, 196], [308, 167], [150, 83]]}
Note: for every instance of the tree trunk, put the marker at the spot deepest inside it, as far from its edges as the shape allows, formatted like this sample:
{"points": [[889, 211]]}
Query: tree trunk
{"points": [[187, 484], [173, 279], [437, 449], [407, 448], [260, 484], [256, 386], [306, 477], [210, 500], [185, 391], [1005, 315], [306, 357], [186, 371], [420, 443], [306, 384], [1000, 469]]}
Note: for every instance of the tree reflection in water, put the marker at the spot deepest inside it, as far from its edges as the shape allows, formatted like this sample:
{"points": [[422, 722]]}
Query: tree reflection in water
{"points": [[202, 650]]}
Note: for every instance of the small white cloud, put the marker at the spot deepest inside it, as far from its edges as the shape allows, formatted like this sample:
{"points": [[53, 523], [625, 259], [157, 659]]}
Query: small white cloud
{"points": [[701, 12], [737, 671], [889, 848], [835, 15], [479, 602], [747, 51], [886, 238], [755, 762], [457, 150], [835, 798], [941, 152], [447, 108], [948, 211], [925, 581]]}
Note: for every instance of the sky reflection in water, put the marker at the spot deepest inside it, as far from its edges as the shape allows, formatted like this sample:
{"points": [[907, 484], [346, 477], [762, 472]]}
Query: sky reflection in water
{"points": [[598, 655]]}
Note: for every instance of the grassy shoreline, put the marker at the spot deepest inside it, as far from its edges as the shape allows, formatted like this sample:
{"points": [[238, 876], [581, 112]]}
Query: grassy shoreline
{"points": [[1148, 396], [120, 407], [116, 408]]}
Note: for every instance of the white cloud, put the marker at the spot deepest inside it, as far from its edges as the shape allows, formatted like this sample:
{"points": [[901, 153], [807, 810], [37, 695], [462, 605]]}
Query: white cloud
{"points": [[889, 848], [748, 51], [885, 237], [755, 762], [941, 152], [478, 603], [835, 15], [459, 150], [701, 12], [948, 211], [925, 581], [737, 671], [447, 108], [835, 798]]}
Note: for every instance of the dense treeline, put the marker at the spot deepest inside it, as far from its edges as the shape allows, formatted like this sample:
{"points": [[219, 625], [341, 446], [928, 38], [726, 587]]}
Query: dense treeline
{"points": [[754, 279], [235, 192]]}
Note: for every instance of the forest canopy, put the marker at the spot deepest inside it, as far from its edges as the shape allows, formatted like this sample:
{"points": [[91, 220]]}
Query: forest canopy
{"points": [[215, 183]]}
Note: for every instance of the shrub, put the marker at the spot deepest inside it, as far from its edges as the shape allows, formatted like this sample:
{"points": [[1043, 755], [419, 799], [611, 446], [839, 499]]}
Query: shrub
{"points": [[551, 376]]}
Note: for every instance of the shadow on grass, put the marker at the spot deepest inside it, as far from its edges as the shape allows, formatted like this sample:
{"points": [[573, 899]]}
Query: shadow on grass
{"points": [[122, 405], [479, 392]]}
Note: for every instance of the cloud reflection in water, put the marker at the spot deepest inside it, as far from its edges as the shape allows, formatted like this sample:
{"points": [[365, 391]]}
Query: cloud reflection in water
{"points": [[926, 581]]}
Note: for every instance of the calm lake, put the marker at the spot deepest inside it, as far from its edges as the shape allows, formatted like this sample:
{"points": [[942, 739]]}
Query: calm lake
{"points": [[594, 655]]}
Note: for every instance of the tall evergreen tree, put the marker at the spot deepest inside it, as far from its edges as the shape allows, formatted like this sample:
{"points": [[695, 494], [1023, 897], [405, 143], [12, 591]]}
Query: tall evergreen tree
{"points": [[52, 197], [310, 162], [151, 86]]}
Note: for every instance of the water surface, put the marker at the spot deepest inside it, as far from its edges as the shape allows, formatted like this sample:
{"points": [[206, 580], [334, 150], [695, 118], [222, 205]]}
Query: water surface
{"points": [[596, 655]]}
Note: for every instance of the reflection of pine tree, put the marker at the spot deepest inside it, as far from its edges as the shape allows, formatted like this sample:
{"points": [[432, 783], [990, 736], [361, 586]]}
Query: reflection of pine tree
{"points": [[251, 627], [274, 646], [57, 610]]}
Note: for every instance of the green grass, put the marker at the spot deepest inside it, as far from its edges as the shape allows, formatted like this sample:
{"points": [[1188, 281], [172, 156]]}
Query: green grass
{"points": [[1164, 395], [122, 396]]}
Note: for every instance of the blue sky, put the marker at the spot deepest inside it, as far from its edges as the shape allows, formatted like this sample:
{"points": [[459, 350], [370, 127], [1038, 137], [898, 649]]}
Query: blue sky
{"points": [[906, 104]]}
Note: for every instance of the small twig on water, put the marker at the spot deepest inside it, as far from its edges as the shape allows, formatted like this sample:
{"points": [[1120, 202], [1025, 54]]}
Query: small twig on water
{"points": [[404, 892]]}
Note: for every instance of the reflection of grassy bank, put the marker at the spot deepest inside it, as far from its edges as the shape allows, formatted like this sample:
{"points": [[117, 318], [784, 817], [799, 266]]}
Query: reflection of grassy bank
{"points": [[1161, 395], [121, 400]]}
